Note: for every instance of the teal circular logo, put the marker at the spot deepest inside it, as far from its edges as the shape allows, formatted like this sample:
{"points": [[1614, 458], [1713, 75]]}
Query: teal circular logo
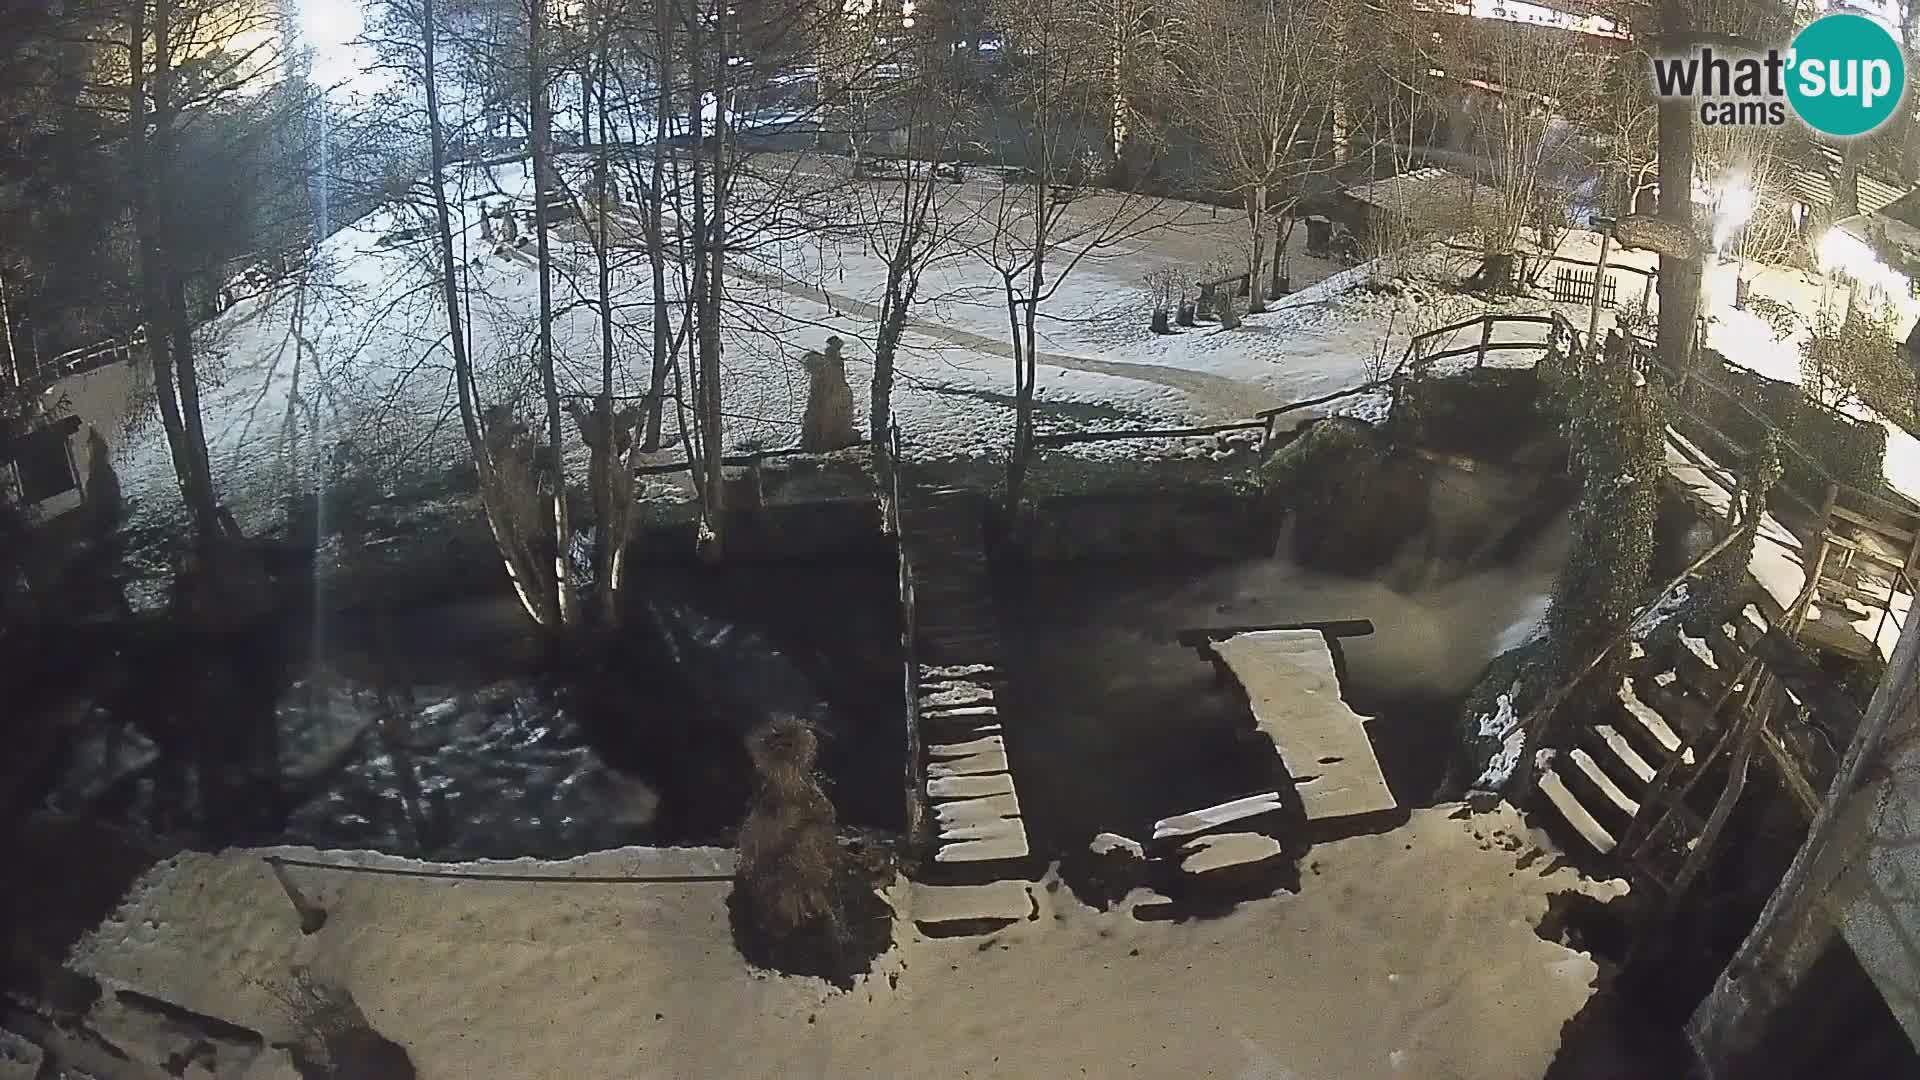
{"points": [[1845, 75]]}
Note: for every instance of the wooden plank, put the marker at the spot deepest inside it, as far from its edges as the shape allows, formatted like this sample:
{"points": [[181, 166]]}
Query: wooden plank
{"points": [[1209, 817], [981, 764], [1791, 773], [1005, 901], [1295, 697], [1892, 532], [969, 787], [1223, 851], [1622, 750], [1647, 718], [963, 812], [988, 745], [1576, 815], [1592, 771], [1339, 628], [1008, 843]]}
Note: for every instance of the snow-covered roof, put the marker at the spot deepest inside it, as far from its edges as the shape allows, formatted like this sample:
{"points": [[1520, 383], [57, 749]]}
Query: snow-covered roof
{"points": [[1434, 193], [1814, 186]]}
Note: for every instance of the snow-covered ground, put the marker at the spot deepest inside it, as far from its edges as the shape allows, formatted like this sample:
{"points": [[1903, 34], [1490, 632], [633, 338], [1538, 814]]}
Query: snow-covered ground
{"points": [[351, 370], [1411, 952]]}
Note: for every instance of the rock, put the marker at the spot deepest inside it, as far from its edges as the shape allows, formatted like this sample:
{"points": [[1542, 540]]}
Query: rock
{"points": [[1111, 868]]}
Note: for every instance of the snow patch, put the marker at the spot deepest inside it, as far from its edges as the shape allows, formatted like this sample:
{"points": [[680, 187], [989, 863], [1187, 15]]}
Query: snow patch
{"points": [[1503, 725]]}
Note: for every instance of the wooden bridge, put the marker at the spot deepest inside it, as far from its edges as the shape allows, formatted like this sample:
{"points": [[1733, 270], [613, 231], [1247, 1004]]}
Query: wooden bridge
{"points": [[962, 801]]}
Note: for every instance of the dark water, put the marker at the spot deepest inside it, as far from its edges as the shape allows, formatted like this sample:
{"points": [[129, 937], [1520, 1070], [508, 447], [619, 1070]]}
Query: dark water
{"points": [[1127, 727], [441, 731]]}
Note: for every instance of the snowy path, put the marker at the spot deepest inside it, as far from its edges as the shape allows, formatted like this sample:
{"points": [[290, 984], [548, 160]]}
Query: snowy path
{"points": [[1223, 398]]}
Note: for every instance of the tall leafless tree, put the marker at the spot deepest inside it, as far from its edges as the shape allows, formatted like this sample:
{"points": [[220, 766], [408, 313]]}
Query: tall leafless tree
{"points": [[1256, 96]]}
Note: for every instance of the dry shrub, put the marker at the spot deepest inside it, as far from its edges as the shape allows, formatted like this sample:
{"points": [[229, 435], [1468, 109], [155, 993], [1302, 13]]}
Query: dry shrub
{"points": [[789, 857]]}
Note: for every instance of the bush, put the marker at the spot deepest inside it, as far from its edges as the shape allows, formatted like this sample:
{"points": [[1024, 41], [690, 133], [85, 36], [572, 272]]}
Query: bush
{"points": [[1617, 435], [1450, 413], [1850, 451], [785, 885], [1517, 673], [1858, 355]]}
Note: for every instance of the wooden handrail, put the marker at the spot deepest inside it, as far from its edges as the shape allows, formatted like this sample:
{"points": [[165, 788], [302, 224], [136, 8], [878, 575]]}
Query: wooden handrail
{"points": [[1872, 500], [1064, 438], [755, 458], [1333, 628]]}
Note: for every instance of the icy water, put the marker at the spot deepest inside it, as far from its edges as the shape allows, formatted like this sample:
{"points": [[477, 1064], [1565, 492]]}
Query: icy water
{"points": [[441, 731]]}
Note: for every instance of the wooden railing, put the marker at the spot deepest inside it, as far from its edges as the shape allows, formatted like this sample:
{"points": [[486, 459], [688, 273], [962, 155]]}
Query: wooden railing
{"points": [[888, 470], [98, 355], [1849, 494], [1562, 337]]}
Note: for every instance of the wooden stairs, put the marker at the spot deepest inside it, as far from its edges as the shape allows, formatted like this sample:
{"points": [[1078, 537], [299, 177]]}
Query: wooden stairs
{"points": [[1600, 785]]}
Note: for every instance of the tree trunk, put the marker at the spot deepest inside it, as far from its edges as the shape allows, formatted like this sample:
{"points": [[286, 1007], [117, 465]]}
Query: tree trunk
{"points": [[655, 211], [519, 564], [1679, 278], [1256, 250], [1281, 233], [1846, 185], [893, 319], [6, 328], [539, 139], [149, 169], [610, 508], [706, 237], [1910, 109]]}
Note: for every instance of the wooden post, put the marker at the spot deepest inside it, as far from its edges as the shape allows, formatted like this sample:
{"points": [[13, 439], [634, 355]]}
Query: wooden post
{"points": [[1599, 276], [1486, 339], [1796, 923], [1646, 294]]}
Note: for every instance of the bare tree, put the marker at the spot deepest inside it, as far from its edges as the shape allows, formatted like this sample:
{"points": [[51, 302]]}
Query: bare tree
{"points": [[1255, 96], [540, 144], [500, 452], [910, 218], [1038, 232], [184, 56], [1542, 88]]}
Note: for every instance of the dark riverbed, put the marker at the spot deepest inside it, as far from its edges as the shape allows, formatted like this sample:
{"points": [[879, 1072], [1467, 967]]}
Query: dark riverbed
{"points": [[440, 730]]}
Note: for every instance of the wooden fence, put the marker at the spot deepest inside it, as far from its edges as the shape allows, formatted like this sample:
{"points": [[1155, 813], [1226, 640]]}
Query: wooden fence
{"points": [[1577, 287]]}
